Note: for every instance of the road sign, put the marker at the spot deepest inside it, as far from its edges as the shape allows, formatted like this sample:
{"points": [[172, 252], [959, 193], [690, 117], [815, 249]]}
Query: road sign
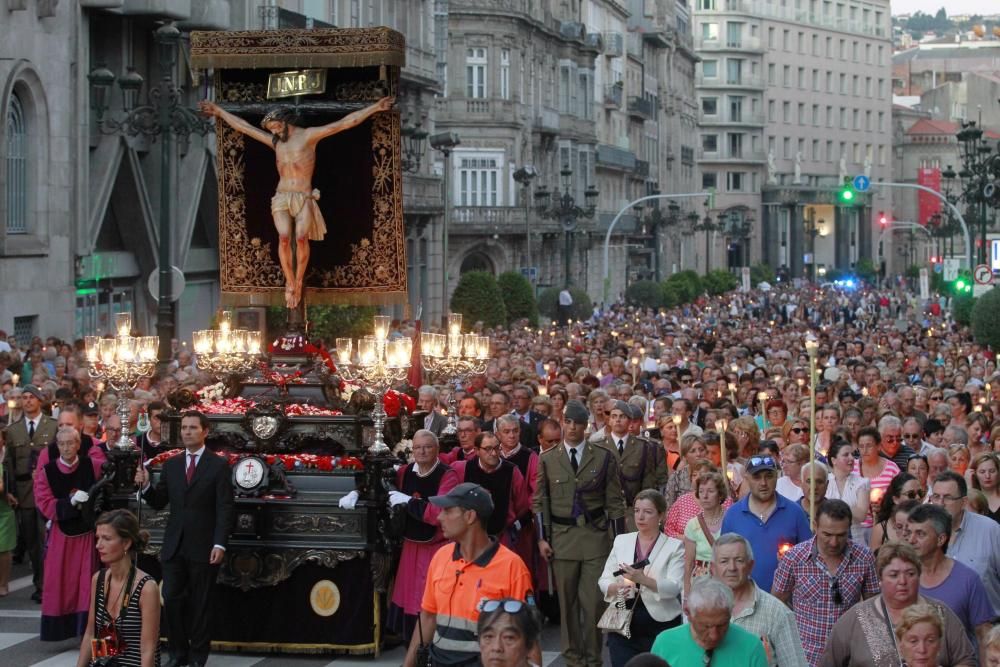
{"points": [[983, 275], [951, 269], [861, 183], [925, 284], [938, 268], [530, 272], [177, 284], [979, 290]]}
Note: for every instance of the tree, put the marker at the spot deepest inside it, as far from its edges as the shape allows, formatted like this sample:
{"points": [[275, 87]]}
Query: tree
{"points": [[720, 281], [548, 303], [961, 308], [645, 293], [761, 273], [477, 296], [518, 297], [688, 284], [865, 270], [986, 319]]}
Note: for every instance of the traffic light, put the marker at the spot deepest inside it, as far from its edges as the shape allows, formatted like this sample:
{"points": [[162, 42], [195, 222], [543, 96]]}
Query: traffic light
{"points": [[846, 194], [883, 219], [962, 285]]}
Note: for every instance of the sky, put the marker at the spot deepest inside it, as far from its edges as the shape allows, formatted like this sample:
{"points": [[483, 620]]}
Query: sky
{"points": [[931, 6]]}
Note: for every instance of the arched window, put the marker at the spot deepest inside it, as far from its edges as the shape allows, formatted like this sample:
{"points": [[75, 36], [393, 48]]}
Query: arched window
{"points": [[17, 168]]}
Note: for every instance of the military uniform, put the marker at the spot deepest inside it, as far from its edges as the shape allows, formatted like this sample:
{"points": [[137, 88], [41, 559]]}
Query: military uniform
{"points": [[641, 466], [575, 510], [21, 459]]}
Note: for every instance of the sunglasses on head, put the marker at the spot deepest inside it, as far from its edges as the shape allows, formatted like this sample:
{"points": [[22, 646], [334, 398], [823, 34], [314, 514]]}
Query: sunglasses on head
{"points": [[509, 606], [762, 461]]}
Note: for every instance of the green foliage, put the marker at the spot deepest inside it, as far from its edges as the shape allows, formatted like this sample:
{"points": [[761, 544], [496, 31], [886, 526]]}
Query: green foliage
{"points": [[326, 322], [688, 284], [518, 297], [866, 270], [477, 296], [986, 319], [720, 281], [548, 303], [961, 308], [673, 295], [761, 273], [645, 293]]}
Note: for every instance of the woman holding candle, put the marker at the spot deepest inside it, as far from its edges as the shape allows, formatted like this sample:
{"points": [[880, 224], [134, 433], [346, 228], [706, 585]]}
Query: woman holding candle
{"points": [[879, 471], [903, 487], [701, 530], [692, 450]]}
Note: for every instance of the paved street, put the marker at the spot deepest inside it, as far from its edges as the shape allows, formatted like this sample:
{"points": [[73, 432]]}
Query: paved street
{"points": [[19, 645]]}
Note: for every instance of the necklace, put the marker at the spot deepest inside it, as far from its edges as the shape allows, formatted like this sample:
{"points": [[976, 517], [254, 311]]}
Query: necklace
{"points": [[712, 519]]}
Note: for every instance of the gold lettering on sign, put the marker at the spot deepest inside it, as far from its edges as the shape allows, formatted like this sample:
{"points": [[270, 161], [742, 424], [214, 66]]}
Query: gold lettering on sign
{"points": [[301, 82]]}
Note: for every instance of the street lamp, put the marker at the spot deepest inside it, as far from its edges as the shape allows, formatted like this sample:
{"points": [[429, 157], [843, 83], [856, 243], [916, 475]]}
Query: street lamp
{"points": [[525, 175], [708, 226], [445, 142], [980, 169], [563, 207], [414, 137], [658, 219], [163, 117], [739, 227]]}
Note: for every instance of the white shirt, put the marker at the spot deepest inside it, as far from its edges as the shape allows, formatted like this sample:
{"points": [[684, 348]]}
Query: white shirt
{"points": [[31, 425], [579, 451], [565, 298]]}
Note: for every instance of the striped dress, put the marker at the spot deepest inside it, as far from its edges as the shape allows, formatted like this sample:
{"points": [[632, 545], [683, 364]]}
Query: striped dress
{"points": [[130, 629], [881, 482]]}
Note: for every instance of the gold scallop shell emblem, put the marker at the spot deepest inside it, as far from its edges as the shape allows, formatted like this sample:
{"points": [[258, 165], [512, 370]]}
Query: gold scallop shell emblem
{"points": [[324, 598]]}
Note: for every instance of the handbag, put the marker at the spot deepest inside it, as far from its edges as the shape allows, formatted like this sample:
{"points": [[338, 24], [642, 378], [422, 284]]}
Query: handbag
{"points": [[617, 617], [107, 643]]}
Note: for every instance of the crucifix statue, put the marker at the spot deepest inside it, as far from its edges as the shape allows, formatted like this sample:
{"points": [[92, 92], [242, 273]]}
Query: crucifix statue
{"points": [[293, 205]]}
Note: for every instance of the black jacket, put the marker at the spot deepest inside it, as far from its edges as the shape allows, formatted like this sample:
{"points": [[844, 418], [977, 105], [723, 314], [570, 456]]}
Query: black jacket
{"points": [[200, 513]]}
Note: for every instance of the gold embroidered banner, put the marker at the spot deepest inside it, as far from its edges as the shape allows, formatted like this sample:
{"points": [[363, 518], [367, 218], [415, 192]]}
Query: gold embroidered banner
{"points": [[358, 173]]}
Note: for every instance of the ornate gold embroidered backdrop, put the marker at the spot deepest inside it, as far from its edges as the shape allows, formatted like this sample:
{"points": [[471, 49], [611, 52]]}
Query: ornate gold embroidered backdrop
{"points": [[362, 259]]}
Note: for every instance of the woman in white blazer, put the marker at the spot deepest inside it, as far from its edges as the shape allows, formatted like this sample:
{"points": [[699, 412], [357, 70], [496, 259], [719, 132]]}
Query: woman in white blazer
{"points": [[657, 606]]}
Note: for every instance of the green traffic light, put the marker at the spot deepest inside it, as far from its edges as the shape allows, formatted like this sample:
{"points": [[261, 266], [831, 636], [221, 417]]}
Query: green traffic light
{"points": [[847, 195], [960, 285]]}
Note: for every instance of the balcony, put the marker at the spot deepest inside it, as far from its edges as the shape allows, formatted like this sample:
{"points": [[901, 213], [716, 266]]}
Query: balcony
{"points": [[641, 108], [487, 220], [614, 44], [171, 9], [547, 121], [730, 155], [743, 81], [479, 109], [614, 157], [613, 96], [745, 118], [572, 30], [745, 44], [650, 32]]}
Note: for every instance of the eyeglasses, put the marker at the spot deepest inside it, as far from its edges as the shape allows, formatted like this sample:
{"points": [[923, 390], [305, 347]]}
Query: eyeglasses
{"points": [[509, 606], [835, 589], [935, 398], [947, 498], [912, 495], [911, 436], [489, 450]]}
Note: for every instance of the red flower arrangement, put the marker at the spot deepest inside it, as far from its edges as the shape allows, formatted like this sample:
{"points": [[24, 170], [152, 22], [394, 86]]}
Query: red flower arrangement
{"points": [[394, 399], [290, 461]]}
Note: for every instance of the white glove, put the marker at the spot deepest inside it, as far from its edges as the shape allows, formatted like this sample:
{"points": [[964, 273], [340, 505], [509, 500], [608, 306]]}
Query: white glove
{"points": [[349, 501], [398, 498], [79, 498]]}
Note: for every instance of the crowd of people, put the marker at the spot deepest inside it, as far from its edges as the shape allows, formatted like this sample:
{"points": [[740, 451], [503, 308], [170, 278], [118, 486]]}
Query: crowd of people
{"points": [[675, 485]]}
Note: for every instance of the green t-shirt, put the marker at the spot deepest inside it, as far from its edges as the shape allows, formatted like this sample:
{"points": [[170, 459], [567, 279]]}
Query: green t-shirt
{"points": [[738, 647]]}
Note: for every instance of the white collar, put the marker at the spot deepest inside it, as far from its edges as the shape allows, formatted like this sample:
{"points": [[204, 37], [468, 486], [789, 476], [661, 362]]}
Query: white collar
{"points": [[196, 454], [512, 452], [579, 449], [67, 463]]}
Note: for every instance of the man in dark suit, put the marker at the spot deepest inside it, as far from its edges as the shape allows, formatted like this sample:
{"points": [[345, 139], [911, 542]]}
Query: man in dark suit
{"points": [[26, 439], [427, 402], [197, 487]]}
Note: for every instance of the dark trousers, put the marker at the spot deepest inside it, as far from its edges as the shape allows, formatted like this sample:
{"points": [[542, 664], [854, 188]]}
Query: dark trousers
{"points": [[622, 649], [31, 527], [187, 598]]}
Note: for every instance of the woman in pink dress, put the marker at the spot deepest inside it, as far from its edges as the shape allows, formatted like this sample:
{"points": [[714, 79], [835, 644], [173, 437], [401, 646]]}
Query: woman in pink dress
{"points": [[61, 487]]}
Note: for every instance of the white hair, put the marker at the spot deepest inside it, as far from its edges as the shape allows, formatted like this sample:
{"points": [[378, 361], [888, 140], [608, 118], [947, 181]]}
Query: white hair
{"points": [[707, 593]]}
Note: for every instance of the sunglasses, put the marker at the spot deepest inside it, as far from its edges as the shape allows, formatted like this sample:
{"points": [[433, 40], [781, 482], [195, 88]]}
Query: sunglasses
{"points": [[762, 461], [509, 606], [835, 589], [798, 430]]}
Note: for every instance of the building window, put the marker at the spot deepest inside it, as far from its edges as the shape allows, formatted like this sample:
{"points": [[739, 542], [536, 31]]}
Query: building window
{"points": [[735, 181], [586, 95], [505, 74], [475, 73], [479, 178], [770, 74], [710, 69], [710, 32], [25, 327], [709, 106], [709, 180], [17, 168], [770, 111], [829, 151], [710, 143]]}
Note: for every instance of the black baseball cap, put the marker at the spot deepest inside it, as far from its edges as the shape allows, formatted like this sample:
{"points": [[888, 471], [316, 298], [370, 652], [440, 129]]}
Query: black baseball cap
{"points": [[468, 496], [90, 408]]}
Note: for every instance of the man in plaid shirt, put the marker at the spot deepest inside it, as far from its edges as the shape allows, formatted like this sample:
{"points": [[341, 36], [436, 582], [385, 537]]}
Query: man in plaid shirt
{"points": [[825, 576]]}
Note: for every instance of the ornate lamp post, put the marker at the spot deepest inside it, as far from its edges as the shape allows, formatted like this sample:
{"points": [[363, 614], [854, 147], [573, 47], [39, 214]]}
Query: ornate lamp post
{"points": [[979, 174], [226, 351], [163, 117], [455, 356], [739, 227], [414, 137], [379, 365], [563, 207], [708, 226], [657, 220], [524, 176]]}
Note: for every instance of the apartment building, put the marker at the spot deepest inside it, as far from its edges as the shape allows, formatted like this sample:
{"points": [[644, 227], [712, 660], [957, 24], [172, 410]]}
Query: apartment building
{"points": [[794, 97]]}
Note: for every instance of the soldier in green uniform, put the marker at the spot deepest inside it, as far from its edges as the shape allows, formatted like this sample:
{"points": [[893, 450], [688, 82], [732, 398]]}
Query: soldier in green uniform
{"points": [[640, 462], [26, 439], [578, 498]]}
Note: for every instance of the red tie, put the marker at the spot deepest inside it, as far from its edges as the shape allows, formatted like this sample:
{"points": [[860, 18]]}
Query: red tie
{"points": [[190, 468]]}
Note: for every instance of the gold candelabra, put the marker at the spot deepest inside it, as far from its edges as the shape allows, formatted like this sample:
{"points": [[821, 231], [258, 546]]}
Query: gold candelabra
{"points": [[226, 351], [121, 362], [379, 364], [454, 356]]}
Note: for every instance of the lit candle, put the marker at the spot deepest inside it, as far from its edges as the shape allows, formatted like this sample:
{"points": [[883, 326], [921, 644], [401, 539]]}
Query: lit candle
{"points": [[876, 495], [11, 405], [676, 419], [15, 378], [784, 548]]}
